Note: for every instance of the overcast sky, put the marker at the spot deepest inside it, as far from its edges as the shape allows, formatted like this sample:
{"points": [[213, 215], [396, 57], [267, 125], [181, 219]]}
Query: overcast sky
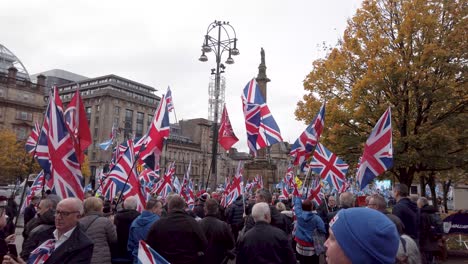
{"points": [[158, 43]]}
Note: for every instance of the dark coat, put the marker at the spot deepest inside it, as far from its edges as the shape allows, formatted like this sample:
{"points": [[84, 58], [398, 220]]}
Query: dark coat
{"points": [[78, 249], [265, 243], [235, 213], [43, 227], [408, 213], [427, 242], [29, 213], [139, 230], [102, 232], [122, 220], [219, 236], [178, 238], [277, 219], [199, 209]]}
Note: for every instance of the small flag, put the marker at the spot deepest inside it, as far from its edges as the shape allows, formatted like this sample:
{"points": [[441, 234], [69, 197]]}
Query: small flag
{"points": [[147, 255]]}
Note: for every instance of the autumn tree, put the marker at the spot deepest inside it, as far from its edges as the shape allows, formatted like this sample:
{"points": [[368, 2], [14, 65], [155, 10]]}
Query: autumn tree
{"points": [[15, 162], [407, 54]]}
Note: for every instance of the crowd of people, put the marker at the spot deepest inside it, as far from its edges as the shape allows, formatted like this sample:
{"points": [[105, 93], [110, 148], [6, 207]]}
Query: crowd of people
{"points": [[259, 228]]}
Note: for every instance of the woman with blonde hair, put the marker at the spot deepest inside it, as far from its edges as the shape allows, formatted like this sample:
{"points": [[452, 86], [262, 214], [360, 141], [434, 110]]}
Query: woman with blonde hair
{"points": [[99, 229]]}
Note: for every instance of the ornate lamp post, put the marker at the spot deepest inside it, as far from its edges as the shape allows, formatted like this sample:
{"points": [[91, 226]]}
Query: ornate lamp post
{"points": [[224, 40]]}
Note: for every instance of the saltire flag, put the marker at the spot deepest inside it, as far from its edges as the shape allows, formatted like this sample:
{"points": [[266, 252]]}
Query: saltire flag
{"points": [[164, 186], [236, 186], [227, 138], [113, 134], [378, 151], [63, 164], [329, 166], [32, 139], [170, 103], [158, 131], [124, 178], [262, 130], [77, 122], [302, 148], [106, 144], [147, 255], [36, 188]]}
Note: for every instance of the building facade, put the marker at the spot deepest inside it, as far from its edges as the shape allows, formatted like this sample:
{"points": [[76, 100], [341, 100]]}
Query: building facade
{"points": [[111, 101]]}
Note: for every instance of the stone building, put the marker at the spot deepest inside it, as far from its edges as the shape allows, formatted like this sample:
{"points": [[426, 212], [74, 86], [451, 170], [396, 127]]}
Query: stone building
{"points": [[112, 100], [21, 101]]}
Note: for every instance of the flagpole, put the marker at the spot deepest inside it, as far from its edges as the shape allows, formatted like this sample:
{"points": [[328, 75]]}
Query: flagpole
{"points": [[126, 181], [209, 173]]}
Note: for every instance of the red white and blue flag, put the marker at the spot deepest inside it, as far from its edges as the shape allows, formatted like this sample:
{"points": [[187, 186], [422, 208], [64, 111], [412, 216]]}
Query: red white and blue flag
{"points": [[315, 193], [147, 255], [36, 188], [378, 151], [170, 103], [32, 139], [186, 190], [236, 186], [302, 148], [158, 132], [60, 159], [329, 166], [262, 130], [164, 186]]}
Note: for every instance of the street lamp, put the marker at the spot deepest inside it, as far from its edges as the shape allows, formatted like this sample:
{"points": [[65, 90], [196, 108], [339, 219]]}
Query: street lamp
{"points": [[225, 40]]}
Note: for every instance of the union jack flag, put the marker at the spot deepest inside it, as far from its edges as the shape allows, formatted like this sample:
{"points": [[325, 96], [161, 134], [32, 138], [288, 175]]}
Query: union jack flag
{"points": [[32, 139], [35, 189], [329, 166], [378, 151], [315, 194], [77, 122], [61, 160], [123, 178], [164, 186], [158, 131], [258, 182], [170, 104], [227, 188], [186, 190], [148, 178], [236, 186], [147, 255], [302, 148], [262, 130]]}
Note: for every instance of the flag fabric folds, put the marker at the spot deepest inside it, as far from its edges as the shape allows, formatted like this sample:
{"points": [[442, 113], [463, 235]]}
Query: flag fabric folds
{"points": [[147, 255], [32, 139], [236, 187], [60, 158], [329, 166], [226, 138], [170, 104], [262, 130], [302, 148], [378, 151], [36, 188], [77, 122]]}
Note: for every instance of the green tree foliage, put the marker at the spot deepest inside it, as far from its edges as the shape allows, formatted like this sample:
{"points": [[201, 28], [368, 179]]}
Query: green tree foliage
{"points": [[14, 160], [407, 54]]}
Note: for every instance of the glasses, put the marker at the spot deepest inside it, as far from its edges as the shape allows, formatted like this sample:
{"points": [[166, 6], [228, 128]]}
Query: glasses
{"points": [[65, 213]]}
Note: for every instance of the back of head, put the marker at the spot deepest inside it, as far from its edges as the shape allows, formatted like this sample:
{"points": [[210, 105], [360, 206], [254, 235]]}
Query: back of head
{"points": [[379, 202], [402, 189], [74, 203], [307, 205], [261, 212], [365, 235], [264, 195], [346, 200], [280, 206], [422, 201], [151, 203], [130, 203], [92, 204], [211, 206], [176, 203]]}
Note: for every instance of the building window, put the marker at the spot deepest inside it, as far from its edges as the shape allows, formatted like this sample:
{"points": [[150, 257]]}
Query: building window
{"points": [[96, 132], [96, 121], [128, 123], [2, 92], [98, 108], [116, 110], [150, 120], [88, 113], [21, 133], [116, 121], [23, 115], [139, 130]]}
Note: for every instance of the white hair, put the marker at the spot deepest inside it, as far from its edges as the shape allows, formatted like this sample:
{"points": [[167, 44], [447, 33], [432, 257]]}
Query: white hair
{"points": [[260, 211], [130, 203]]}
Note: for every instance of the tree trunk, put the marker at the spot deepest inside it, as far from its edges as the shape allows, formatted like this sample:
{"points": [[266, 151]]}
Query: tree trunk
{"points": [[422, 185], [431, 182], [446, 187]]}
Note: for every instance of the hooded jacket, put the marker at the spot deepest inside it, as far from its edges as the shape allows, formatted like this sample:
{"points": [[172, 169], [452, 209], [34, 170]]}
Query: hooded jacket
{"points": [[139, 230], [307, 222], [408, 213], [427, 242]]}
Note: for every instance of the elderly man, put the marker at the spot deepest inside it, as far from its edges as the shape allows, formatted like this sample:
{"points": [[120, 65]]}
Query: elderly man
{"points": [[361, 235], [70, 244], [264, 243], [178, 237]]}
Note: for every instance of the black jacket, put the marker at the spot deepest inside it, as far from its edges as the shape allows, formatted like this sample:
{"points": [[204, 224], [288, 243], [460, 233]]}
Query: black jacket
{"points": [[178, 238], [36, 237], [78, 249], [199, 210], [122, 220], [48, 218], [278, 220], [219, 236], [29, 213], [408, 213], [426, 241], [265, 243], [235, 213]]}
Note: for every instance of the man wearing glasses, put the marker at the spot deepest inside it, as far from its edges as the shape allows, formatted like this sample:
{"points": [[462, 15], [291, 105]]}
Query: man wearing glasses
{"points": [[70, 244]]}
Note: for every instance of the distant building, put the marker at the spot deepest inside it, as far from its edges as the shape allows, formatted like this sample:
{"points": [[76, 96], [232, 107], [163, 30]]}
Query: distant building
{"points": [[21, 101], [58, 77], [110, 100]]}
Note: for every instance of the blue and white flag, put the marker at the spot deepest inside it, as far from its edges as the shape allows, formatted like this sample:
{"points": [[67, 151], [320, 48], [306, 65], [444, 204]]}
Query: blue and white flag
{"points": [[106, 144]]}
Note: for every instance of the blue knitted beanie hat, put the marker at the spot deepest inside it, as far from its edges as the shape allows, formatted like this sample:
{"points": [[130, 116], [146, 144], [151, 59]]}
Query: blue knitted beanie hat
{"points": [[366, 235]]}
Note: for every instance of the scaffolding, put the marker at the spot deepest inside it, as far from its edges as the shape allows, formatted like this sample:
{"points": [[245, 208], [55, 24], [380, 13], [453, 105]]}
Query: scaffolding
{"points": [[216, 99], [8, 59]]}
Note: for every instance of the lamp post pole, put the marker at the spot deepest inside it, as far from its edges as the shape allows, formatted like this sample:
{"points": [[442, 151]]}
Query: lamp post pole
{"points": [[219, 45]]}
